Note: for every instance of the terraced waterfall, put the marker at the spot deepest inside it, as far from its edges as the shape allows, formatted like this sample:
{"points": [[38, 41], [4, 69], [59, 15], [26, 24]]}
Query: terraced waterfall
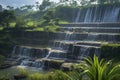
{"points": [[98, 25]]}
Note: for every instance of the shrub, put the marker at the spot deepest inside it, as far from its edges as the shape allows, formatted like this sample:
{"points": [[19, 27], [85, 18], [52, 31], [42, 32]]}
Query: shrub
{"points": [[5, 77], [52, 28], [97, 69]]}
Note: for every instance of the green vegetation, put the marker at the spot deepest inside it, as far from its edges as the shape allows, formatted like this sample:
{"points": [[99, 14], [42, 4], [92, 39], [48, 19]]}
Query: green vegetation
{"points": [[88, 69], [6, 17], [1, 28], [97, 69], [5, 77]]}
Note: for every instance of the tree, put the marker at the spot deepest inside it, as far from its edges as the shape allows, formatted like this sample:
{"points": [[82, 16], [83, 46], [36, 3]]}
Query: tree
{"points": [[27, 7], [6, 17], [49, 15], [20, 22], [10, 7], [76, 3], [0, 8], [46, 4]]}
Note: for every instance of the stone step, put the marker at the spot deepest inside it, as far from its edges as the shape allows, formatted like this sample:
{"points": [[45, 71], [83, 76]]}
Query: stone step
{"points": [[56, 54], [90, 29], [80, 51], [87, 43], [112, 37], [92, 24], [64, 45], [87, 46], [31, 52]]}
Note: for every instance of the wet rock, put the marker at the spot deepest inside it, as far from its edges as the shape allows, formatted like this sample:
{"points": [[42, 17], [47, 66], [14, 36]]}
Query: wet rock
{"points": [[8, 64], [4, 66], [50, 63], [19, 77], [67, 67]]}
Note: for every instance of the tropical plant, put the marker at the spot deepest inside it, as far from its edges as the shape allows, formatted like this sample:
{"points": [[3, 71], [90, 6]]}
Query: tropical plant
{"points": [[97, 69]]}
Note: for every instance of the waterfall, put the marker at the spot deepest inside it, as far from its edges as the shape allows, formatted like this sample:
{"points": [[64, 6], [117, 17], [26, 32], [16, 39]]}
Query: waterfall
{"points": [[98, 14], [14, 51], [95, 14], [77, 17], [97, 52], [84, 51], [74, 41], [69, 36], [56, 54], [48, 54], [111, 14], [92, 37], [37, 64], [87, 15]]}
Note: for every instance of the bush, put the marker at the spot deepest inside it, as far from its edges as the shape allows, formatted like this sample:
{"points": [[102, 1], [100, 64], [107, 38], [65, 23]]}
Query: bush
{"points": [[50, 28], [97, 69], [5, 77]]}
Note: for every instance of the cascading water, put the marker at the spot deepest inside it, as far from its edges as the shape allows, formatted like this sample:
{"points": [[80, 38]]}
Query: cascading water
{"points": [[26, 56], [77, 17], [60, 47], [84, 51], [111, 15], [92, 37], [99, 14], [77, 41]]}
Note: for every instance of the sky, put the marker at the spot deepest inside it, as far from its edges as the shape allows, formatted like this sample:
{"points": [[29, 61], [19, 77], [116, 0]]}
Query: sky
{"points": [[18, 3]]}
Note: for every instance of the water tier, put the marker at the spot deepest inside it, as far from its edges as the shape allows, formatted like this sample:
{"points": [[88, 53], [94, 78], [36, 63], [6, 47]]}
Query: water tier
{"points": [[71, 42]]}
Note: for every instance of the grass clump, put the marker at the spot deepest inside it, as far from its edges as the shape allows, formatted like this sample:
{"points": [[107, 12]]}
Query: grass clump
{"points": [[96, 69]]}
